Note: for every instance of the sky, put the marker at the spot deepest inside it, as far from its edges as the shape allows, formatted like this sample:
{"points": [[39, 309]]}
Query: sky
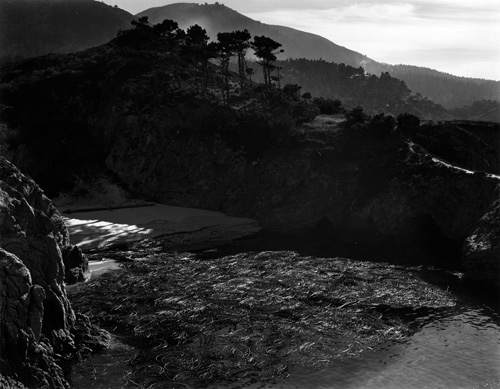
{"points": [[460, 37]]}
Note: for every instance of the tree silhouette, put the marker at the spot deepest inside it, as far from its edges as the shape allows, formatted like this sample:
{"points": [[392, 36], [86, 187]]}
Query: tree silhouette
{"points": [[241, 45], [250, 72], [196, 48], [225, 47], [169, 30], [266, 50], [141, 23]]}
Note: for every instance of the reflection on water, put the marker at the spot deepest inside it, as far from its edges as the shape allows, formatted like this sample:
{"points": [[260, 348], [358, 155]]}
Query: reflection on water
{"points": [[453, 349]]}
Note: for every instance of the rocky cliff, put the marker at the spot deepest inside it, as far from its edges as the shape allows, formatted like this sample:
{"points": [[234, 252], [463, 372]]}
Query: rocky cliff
{"points": [[361, 188], [38, 327], [482, 249]]}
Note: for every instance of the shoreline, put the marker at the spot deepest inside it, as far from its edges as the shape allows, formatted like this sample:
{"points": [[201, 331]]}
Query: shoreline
{"points": [[105, 227]]}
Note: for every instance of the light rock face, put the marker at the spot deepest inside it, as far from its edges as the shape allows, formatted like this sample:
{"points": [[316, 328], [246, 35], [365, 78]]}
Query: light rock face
{"points": [[482, 249], [36, 318]]}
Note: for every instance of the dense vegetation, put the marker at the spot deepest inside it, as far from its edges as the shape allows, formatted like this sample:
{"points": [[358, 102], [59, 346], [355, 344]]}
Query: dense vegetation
{"points": [[445, 89], [355, 87], [53, 105]]}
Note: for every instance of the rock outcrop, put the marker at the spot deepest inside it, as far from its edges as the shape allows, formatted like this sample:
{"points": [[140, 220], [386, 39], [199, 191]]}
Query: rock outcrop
{"points": [[26, 208], [482, 250], [362, 189], [37, 323]]}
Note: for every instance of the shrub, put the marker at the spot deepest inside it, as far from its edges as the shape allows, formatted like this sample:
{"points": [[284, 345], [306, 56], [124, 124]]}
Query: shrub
{"points": [[408, 123], [328, 106]]}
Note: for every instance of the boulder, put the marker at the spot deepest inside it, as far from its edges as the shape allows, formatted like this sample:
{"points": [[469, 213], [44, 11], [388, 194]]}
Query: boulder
{"points": [[37, 323], [482, 250]]}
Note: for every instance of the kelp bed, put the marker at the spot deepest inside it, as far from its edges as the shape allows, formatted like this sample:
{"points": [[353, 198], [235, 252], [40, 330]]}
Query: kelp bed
{"points": [[201, 319]]}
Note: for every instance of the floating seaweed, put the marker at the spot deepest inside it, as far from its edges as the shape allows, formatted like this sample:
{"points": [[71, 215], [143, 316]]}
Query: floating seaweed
{"points": [[249, 317]]}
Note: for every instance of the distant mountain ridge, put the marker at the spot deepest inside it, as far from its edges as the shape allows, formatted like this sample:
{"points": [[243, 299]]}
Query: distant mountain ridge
{"points": [[219, 18], [30, 28], [442, 88]]}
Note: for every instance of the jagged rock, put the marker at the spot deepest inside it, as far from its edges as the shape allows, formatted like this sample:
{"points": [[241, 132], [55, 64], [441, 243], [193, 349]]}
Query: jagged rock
{"points": [[37, 323], [482, 250], [76, 265], [26, 208], [25, 353]]}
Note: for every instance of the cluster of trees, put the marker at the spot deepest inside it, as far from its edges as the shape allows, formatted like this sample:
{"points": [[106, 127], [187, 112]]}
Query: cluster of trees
{"points": [[351, 84], [356, 119], [487, 110], [195, 47], [355, 87]]}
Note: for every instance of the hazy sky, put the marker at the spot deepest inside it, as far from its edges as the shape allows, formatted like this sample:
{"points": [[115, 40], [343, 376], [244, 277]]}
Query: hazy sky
{"points": [[460, 37]]}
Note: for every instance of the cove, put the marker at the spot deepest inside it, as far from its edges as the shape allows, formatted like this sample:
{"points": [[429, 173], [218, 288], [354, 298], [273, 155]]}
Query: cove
{"points": [[452, 347]]}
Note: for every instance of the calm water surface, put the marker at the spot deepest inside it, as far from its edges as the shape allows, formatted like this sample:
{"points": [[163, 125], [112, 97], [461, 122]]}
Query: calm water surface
{"points": [[457, 348]]}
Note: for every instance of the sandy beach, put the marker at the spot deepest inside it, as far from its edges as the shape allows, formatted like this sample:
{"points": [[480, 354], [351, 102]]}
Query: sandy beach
{"points": [[102, 228]]}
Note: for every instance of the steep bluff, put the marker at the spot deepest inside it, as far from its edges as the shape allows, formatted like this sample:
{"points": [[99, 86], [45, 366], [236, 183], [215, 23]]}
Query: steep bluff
{"points": [[38, 327]]}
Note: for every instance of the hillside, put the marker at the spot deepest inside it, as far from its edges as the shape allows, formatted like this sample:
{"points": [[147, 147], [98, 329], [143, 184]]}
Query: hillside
{"points": [[35, 27], [219, 18], [442, 88], [30, 28]]}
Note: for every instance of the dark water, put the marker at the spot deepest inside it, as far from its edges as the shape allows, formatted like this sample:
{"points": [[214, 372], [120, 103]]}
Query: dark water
{"points": [[105, 370]]}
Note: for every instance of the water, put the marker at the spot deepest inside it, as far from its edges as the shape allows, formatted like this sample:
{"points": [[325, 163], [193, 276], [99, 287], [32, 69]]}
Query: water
{"points": [[105, 370], [456, 348]]}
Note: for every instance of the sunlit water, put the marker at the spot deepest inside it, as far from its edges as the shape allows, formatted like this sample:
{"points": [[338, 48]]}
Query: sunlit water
{"points": [[456, 349]]}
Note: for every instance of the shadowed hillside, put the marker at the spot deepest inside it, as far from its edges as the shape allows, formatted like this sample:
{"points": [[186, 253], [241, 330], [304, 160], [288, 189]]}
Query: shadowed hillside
{"points": [[443, 88], [35, 27]]}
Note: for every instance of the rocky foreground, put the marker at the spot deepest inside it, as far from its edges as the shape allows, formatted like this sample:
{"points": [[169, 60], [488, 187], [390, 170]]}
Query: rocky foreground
{"points": [[38, 327]]}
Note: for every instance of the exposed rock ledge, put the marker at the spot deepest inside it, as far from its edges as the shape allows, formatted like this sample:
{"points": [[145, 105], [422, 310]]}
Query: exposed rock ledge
{"points": [[482, 250], [38, 326]]}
